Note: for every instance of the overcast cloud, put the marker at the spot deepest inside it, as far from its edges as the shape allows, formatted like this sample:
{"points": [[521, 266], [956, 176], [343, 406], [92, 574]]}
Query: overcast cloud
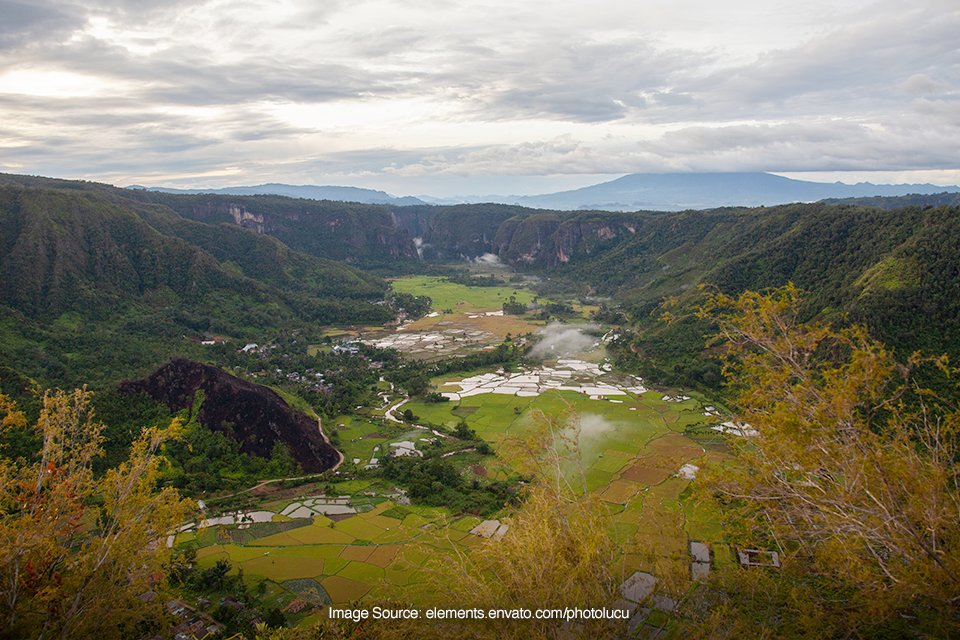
{"points": [[443, 97]]}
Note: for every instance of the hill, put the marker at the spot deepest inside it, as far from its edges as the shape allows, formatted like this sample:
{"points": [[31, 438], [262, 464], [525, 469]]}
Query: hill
{"points": [[896, 202], [95, 287], [251, 415], [359, 234], [893, 270]]}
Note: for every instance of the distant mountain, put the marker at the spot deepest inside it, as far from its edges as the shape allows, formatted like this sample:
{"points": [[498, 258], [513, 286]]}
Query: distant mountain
{"points": [[679, 191], [309, 192]]}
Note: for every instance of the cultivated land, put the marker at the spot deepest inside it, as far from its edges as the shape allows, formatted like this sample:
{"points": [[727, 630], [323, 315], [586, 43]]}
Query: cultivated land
{"points": [[368, 538]]}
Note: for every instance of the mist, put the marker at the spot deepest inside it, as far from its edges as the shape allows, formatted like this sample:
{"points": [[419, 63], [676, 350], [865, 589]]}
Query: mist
{"points": [[559, 340], [489, 260]]}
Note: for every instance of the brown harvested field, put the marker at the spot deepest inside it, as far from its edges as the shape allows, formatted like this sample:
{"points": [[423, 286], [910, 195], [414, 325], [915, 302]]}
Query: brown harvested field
{"points": [[360, 554], [340, 517], [343, 590], [371, 436], [646, 475], [479, 470], [383, 555], [717, 456]]}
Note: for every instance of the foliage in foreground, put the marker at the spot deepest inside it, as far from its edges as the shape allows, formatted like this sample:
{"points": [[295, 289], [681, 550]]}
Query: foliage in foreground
{"points": [[853, 478], [77, 552], [556, 554]]}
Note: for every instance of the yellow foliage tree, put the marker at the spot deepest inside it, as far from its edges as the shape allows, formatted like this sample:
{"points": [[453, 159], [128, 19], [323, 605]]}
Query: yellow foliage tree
{"points": [[79, 553], [854, 473]]}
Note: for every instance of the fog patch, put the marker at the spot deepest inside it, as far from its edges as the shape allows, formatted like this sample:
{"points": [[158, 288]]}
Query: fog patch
{"points": [[419, 244], [593, 431], [558, 340], [489, 260]]}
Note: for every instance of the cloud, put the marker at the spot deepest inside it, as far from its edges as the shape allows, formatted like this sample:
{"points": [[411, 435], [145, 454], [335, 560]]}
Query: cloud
{"points": [[429, 89], [25, 23], [486, 260], [920, 84]]}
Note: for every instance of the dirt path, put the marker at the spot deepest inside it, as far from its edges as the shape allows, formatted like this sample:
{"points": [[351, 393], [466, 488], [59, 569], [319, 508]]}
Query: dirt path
{"points": [[327, 440], [389, 413]]}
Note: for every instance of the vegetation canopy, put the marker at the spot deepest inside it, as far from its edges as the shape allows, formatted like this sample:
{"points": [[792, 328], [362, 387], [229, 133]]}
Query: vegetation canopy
{"points": [[853, 474], [80, 554]]}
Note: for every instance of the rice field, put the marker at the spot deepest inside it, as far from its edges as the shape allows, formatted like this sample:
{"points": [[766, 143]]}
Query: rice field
{"points": [[447, 295], [632, 443]]}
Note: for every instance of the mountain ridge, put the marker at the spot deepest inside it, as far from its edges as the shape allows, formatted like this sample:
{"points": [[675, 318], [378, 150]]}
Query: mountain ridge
{"points": [[305, 191], [678, 191], [632, 192]]}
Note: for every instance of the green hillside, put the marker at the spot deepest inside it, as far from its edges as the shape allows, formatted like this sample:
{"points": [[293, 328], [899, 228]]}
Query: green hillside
{"points": [[94, 287]]}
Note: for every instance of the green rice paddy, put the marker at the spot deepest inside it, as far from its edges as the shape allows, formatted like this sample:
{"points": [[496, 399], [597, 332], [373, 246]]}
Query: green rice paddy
{"points": [[447, 295], [630, 451]]}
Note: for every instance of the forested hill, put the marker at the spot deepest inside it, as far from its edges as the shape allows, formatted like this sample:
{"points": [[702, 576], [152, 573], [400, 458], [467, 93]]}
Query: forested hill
{"points": [[897, 202], [894, 270], [94, 286], [364, 235]]}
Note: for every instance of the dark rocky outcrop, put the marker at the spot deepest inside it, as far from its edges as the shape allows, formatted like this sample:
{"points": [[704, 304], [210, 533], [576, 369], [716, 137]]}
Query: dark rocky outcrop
{"points": [[253, 415]]}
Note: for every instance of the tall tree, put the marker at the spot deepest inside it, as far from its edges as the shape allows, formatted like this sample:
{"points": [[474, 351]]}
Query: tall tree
{"points": [[80, 554], [853, 475]]}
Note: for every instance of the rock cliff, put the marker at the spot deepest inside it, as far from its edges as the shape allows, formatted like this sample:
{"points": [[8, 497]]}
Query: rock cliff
{"points": [[253, 415]]}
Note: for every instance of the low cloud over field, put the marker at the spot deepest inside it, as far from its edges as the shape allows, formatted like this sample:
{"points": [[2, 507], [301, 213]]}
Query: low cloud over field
{"points": [[559, 340]]}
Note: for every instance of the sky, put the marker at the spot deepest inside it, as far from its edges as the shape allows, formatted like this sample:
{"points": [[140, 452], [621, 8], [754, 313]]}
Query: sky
{"points": [[444, 98]]}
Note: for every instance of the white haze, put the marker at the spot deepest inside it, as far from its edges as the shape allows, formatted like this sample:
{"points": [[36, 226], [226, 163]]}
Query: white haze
{"points": [[559, 340], [593, 428], [489, 260]]}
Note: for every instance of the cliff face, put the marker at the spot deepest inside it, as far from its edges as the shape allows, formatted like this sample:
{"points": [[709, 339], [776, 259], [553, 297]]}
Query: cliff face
{"points": [[360, 234], [465, 231], [553, 238], [253, 415]]}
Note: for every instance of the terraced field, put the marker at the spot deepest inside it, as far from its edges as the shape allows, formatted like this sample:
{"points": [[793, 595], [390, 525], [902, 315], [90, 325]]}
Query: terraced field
{"points": [[636, 446]]}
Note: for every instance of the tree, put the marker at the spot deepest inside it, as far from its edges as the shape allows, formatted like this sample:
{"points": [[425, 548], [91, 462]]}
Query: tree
{"points": [[77, 551], [853, 475]]}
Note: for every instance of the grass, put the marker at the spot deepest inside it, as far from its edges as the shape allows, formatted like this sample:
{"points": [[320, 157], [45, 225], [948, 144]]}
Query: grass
{"points": [[323, 551], [447, 295], [362, 572]]}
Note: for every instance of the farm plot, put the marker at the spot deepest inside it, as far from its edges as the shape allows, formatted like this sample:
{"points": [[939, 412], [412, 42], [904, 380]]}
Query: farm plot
{"points": [[632, 445]]}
